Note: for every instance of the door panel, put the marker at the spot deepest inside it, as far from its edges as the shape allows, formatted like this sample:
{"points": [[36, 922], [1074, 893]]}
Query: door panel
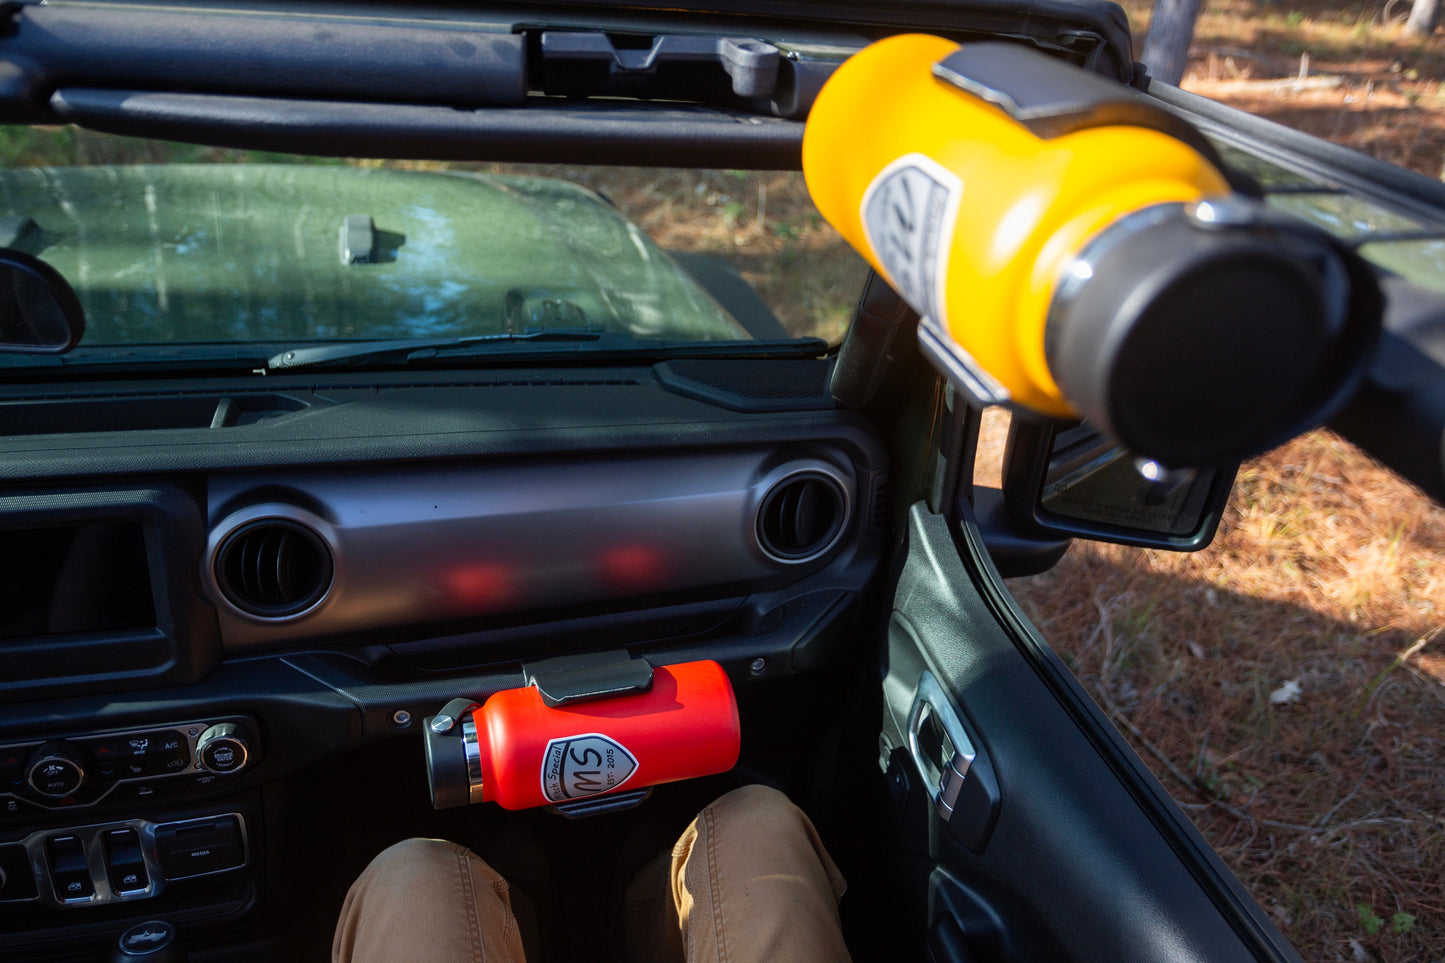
{"points": [[1088, 858]]}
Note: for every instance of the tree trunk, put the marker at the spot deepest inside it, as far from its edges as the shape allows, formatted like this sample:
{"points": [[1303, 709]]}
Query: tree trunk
{"points": [[1423, 14], [1170, 29]]}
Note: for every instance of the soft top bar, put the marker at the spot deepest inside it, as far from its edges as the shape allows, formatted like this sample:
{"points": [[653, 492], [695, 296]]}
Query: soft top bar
{"points": [[564, 133]]}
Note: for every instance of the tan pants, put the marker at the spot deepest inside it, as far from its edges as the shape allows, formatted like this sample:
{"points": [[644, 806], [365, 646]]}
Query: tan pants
{"points": [[749, 880]]}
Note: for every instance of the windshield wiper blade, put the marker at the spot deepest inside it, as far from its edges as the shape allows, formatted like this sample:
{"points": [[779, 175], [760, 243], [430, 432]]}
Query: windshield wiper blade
{"points": [[370, 351]]}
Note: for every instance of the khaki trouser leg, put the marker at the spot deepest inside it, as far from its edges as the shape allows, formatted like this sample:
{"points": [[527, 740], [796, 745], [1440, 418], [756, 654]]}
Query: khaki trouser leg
{"points": [[427, 899], [748, 881]]}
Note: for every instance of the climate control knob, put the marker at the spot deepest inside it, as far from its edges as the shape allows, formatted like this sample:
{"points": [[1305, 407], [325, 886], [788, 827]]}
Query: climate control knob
{"points": [[56, 770], [223, 748]]}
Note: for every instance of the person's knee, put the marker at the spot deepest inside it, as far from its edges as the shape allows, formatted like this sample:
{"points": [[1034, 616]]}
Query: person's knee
{"points": [[751, 873], [432, 894], [414, 867], [755, 802], [757, 813], [412, 857]]}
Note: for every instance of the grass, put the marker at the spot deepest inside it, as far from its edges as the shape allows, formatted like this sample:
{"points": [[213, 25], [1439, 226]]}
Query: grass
{"points": [[1328, 572]]}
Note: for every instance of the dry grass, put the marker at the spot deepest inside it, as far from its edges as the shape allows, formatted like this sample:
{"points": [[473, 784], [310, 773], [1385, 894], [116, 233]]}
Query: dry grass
{"points": [[1329, 573], [1368, 84]]}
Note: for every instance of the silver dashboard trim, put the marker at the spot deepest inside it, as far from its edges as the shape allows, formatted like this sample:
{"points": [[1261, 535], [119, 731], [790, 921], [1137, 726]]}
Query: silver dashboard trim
{"points": [[420, 545]]}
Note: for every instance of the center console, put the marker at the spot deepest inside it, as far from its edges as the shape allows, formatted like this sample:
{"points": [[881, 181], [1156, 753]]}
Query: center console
{"points": [[98, 826]]}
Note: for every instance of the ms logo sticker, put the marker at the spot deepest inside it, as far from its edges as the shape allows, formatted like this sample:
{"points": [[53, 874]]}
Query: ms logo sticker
{"points": [[584, 765]]}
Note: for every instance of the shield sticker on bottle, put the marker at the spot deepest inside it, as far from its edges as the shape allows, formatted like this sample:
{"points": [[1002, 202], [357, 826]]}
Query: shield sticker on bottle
{"points": [[584, 765]]}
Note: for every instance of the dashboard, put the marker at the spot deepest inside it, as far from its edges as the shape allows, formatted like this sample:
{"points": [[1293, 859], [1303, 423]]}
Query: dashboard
{"points": [[215, 590]]}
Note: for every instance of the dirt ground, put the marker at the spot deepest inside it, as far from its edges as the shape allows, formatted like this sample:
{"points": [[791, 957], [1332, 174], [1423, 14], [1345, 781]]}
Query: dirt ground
{"points": [[1344, 71]]}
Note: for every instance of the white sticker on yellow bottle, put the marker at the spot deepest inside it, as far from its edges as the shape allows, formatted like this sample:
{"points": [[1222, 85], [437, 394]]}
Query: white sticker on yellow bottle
{"points": [[584, 765], [908, 213]]}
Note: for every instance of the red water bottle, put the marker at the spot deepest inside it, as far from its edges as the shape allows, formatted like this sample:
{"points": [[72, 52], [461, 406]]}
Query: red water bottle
{"points": [[545, 745]]}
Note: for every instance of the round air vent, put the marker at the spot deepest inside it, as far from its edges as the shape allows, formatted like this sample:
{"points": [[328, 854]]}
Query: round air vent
{"points": [[273, 568], [801, 517]]}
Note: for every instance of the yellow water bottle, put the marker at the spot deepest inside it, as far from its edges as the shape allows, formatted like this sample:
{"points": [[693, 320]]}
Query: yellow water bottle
{"points": [[1075, 250]]}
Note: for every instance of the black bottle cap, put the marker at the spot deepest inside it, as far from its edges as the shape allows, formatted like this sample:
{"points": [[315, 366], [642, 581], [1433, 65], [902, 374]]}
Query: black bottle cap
{"points": [[1203, 335]]}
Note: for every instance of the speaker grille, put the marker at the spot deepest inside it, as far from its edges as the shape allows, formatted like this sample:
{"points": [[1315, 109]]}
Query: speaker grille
{"points": [[801, 517], [273, 568]]}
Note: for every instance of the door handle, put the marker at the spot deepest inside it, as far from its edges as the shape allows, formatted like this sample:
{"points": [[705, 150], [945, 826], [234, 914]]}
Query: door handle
{"points": [[938, 744]]}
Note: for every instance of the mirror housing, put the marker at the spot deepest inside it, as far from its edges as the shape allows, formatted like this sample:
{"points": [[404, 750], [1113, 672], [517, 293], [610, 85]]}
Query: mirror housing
{"points": [[1068, 479], [39, 312]]}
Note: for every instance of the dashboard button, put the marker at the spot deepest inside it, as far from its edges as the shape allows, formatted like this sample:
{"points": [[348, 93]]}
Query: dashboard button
{"points": [[55, 770], [56, 777], [111, 761], [15, 806], [69, 873], [106, 749], [124, 863], [223, 748], [164, 763], [143, 790], [139, 745], [12, 762], [200, 846]]}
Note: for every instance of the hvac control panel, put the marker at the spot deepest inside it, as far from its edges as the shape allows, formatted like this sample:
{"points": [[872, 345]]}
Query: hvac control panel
{"points": [[126, 766], [111, 862]]}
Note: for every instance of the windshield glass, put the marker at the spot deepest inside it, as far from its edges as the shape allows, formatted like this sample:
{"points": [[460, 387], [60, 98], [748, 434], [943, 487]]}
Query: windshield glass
{"points": [[277, 252]]}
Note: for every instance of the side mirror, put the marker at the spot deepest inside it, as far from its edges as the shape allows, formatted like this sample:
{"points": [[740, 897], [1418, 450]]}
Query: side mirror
{"points": [[39, 312], [1069, 480]]}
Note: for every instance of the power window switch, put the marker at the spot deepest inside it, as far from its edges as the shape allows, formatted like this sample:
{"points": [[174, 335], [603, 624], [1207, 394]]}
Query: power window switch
{"points": [[69, 873], [16, 879], [124, 863]]}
